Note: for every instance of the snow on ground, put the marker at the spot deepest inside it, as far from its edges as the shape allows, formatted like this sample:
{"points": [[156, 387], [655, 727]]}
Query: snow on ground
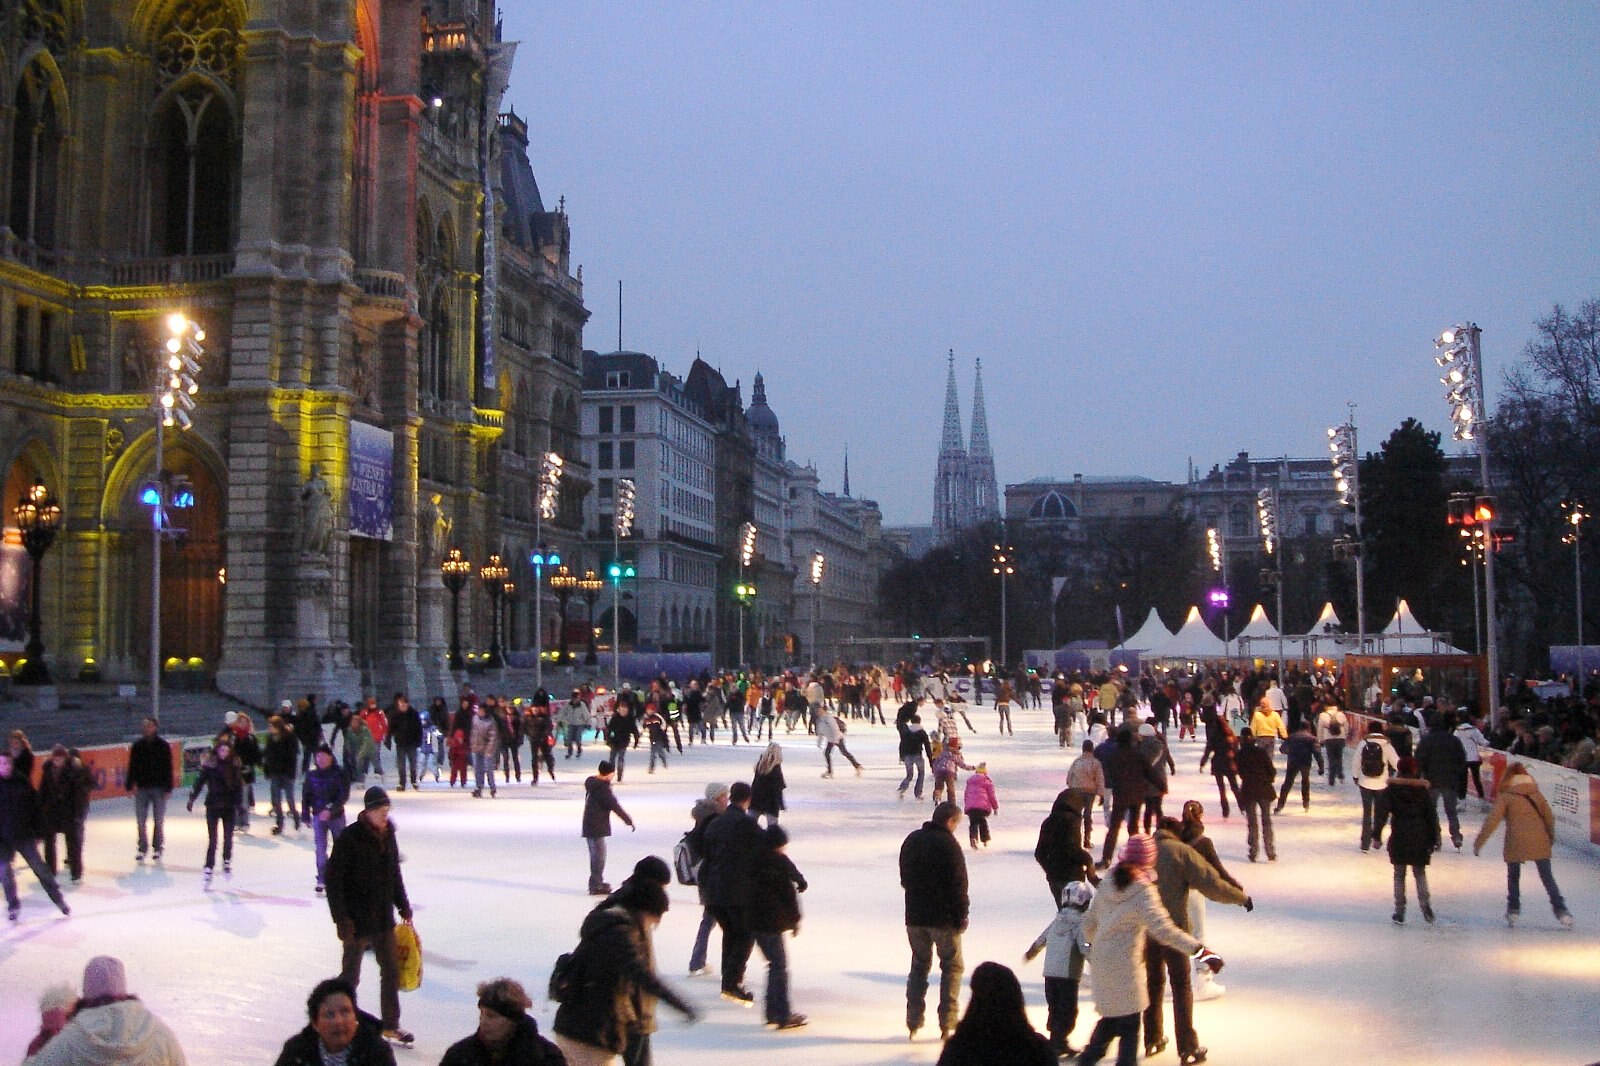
{"points": [[1316, 975]]}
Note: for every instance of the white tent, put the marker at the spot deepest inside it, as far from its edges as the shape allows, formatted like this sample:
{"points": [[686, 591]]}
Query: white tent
{"points": [[1194, 641], [1259, 627], [1404, 635], [1327, 621], [1152, 634]]}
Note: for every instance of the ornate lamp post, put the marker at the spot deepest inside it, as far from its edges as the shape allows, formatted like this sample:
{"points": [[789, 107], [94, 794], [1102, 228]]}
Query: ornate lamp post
{"points": [[563, 582], [455, 570], [493, 574], [589, 587], [38, 516]]}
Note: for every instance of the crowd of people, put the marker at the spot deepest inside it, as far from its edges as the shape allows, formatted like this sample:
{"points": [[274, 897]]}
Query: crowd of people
{"points": [[1133, 915]]}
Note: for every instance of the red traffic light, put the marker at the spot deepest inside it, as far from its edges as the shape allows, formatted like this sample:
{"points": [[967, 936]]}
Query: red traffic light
{"points": [[1483, 510]]}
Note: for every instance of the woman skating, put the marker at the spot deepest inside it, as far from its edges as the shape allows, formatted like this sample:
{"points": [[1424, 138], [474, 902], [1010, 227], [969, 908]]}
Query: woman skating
{"points": [[221, 778], [767, 785], [1530, 830]]}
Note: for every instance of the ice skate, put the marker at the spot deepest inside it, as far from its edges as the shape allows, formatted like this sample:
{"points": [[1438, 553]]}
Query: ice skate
{"points": [[1197, 1055], [205, 879], [741, 995], [1511, 918], [793, 1021], [399, 1037], [1565, 919]]}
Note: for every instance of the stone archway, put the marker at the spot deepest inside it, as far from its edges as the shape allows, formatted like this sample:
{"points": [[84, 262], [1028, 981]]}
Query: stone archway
{"points": [[16, 571]]}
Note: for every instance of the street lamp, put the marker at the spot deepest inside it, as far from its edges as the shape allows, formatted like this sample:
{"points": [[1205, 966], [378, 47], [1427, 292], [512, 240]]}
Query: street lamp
{"points": [[747, 554], [589, 587], [819, 566], [744, 592], [493, 574], [1267, 516], [1461, 358], [621, 526], [563, 581], [38, 516], [1347, 480], [455, 570], [175, 389], [1004, 559], [539, 558], [1576, 515], [509, 614]]}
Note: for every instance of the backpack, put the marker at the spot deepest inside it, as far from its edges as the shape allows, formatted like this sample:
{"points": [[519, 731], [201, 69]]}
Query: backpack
{"points": [[1372, 759], [1335, 727], [684, 862], [563, 977]]}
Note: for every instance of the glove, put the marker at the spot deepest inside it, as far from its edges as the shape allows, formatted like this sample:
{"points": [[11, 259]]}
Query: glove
{"points": [[632, 828], [1209, 959], [189, 806], [1249, 904]]}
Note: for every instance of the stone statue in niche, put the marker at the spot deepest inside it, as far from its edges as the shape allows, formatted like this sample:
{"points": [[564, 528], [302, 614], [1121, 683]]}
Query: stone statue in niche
{"points": [[316, 515], [434, 529], [363, 378]]}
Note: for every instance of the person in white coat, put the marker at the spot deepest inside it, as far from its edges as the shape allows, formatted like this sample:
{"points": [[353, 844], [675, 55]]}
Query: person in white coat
{"points": [[1472, 742], [830, 732], [109, 1027]]}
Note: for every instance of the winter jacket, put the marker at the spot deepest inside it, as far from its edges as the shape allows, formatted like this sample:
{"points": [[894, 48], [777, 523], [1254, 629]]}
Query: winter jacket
{"points": [[1153, 750], [308, 728], [574, 713], [1325, 722], [1267, 723], [1086, 775], [19, 810], [223, 784], [526, 1048], [1256, 773], [365, 886], [615, 986], [1064, 933], [949, 761], [368, 1048], [1390, 762], [829, 729], [150, 764], [1128, 774], [774, 886], [980, 794], [1300, 750], [120, 1033], [282, 755], [63, 794], [1180, 868], [622, 730], [914, 741], [599, 804], [766, 792], [324, 790], [1530, 823], [1020, 1045], [248, 751], [933, 873], [1116, 927], [485, 736], [1442, 759], [536, 724], [1060, 851], [359, 746], [405, 728], [377, 723], [1208, 851], [731, 842], [1472, 740], [1413, 821]]}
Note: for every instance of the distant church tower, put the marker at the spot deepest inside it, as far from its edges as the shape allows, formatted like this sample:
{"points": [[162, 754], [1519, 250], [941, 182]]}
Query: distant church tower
{"points": [[980, 460], [952, 484]]}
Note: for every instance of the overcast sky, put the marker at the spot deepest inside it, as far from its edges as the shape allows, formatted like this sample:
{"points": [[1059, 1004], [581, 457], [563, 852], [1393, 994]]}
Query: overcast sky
{"points": [[1171, 232]]}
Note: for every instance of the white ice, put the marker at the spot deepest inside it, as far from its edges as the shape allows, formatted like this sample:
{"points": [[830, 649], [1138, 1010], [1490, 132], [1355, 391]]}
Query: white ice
{"points": [[1316, 975]]}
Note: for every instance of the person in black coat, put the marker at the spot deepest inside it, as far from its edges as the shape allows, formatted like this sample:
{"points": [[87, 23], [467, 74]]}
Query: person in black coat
{"points": [[337, 1026], [767, 785], [622, 732], [64, 788], [222, 780], [996, 1027], [599, 804], [506, 1036], [1257, 794], [933, 873], [775, 884], [307, 728], [278, 760], [1060, 851], [323, 795], [1130, 777], [19, 835], [1443, 761], [1413, 835], [731, 841], [150, 781], [365, 890], [405, 737]]}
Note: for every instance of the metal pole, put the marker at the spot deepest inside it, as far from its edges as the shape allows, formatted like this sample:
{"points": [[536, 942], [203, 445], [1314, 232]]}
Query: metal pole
{"points": [[1474, 334], [1577, 580], [1361, 555], [1003, 657], [1473, 561], [538, 586], [741, 608], [155, 579], [616, 592], [816, 600]]}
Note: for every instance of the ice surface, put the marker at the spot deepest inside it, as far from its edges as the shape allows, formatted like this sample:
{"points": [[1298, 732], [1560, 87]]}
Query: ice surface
{"points": [[1316, 975]]}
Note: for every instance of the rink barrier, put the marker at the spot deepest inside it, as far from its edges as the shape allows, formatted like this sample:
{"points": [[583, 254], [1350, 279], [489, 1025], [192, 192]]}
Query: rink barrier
{"points": [[1574, 797], [108, 768]]}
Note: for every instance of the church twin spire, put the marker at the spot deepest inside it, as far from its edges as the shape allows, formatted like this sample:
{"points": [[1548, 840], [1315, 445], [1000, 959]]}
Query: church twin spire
{"points": [[965, 492]]}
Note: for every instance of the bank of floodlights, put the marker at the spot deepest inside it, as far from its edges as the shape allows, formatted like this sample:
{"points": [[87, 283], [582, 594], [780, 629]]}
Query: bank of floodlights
{"points": [[625, 497], [1346, 475], [1214, 548], [1267, 516], [818, 564], [747, 543], [550, 468], [1458, 358], [177, 384]]}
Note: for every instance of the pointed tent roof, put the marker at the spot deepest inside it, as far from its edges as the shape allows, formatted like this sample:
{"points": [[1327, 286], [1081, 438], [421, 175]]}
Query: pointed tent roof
{"points": [[1328, 618], [950, 441], [1152, 634], [1194, 641], [1259, 626], [1403, 621], [1404, 634]]}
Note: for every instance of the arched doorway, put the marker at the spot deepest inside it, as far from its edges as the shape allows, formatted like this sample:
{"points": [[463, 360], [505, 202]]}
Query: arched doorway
{"points": [[16, 570]]}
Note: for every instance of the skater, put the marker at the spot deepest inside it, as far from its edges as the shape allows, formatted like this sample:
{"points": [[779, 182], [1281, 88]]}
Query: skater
{"points": [[1153, 750], [459, 752], [338, 1031], [1530, 832], [222, 780], [620, 732], [1129, 777], [150, 781], [1192, 831], [1064, 953], [1300, 750], [945, 765], [539, 728], [775, 884], [248, 751], [599, 804], [1256, 793], [1375, 761], [405, 737], [704, 810], [365, 891], [996, 1027], [1443, 762], [915, 752], [655, 727], [484, 740], [574, 720], [1266, 724], [19, 835], [830, 730], [1125, 914], [1413, 835], [1333, 726], [1002, 706], [981, 804], [322, 798], [360, 749], [1472, 743], [110, 1026], [278, 762], [1060, 851], [730, 845], [767, 786], [64, 789], [933, 873], [1086, 780]]}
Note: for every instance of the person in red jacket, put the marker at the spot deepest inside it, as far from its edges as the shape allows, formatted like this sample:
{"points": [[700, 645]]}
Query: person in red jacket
{"points": [[378, 723]]}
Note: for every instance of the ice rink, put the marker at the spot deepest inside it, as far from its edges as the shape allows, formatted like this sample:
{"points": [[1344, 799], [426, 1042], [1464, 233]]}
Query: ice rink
{"points": [[1317, 974]]}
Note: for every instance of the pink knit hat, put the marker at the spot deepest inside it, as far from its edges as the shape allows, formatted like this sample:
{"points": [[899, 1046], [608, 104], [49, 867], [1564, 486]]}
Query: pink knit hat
{"points": [[1139, 851], [104, 976]]}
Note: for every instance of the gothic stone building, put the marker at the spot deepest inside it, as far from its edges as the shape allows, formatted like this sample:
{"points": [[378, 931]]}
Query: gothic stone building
{"points": [[307, 181]]}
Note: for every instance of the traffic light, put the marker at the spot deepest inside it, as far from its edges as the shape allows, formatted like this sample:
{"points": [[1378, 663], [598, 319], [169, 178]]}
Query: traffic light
{"points": [[622, 570], [1483, 509]]}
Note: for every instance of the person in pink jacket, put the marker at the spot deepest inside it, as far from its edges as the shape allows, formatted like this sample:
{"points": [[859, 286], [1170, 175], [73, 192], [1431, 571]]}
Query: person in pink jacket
{"points": [[980, 803]]}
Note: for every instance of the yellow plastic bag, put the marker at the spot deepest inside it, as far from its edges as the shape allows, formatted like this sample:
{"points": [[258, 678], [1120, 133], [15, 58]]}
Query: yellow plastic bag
{"points": [[408, 949]]}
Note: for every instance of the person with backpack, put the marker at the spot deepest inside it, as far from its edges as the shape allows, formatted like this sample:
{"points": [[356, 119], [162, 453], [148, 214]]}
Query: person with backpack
{"points": [[1376, 760], [1332, 728], [703, 812]]}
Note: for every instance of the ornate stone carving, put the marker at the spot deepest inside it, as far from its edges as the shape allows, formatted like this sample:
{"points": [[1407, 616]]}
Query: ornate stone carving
{"points": [[201, 37], [316, 515]]}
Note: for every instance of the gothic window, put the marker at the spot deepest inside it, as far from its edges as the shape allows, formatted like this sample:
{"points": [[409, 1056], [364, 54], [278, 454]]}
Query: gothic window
{"points": [[44, 22], [36, 153], [435, 354]]}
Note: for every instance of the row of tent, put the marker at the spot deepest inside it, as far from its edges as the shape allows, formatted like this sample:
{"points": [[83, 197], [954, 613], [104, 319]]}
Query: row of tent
{"points": [[1327, 639]]}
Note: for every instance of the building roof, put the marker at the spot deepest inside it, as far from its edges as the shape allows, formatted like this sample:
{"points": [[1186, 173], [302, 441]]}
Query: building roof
{"points": [[1052, 505], [763, 421], [526, 222]]}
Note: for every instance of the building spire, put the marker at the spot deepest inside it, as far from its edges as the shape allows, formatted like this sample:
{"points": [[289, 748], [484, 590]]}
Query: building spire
{"points": [[951, 440], [847, 470], [983, 486], [980, 418]]}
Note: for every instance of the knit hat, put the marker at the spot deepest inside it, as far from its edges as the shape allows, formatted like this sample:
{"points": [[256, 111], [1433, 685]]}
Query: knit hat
{"points": [[103, 977], [983, 768], [230, 718], [652, 868], [1077, 894], [374, 798], [1140, 851], [286, 705], [715, 789], [58, 997]]}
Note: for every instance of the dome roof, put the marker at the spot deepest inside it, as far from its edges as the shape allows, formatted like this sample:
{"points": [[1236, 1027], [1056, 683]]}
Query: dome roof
{"points": [[1052, 505], [762, 419]]}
